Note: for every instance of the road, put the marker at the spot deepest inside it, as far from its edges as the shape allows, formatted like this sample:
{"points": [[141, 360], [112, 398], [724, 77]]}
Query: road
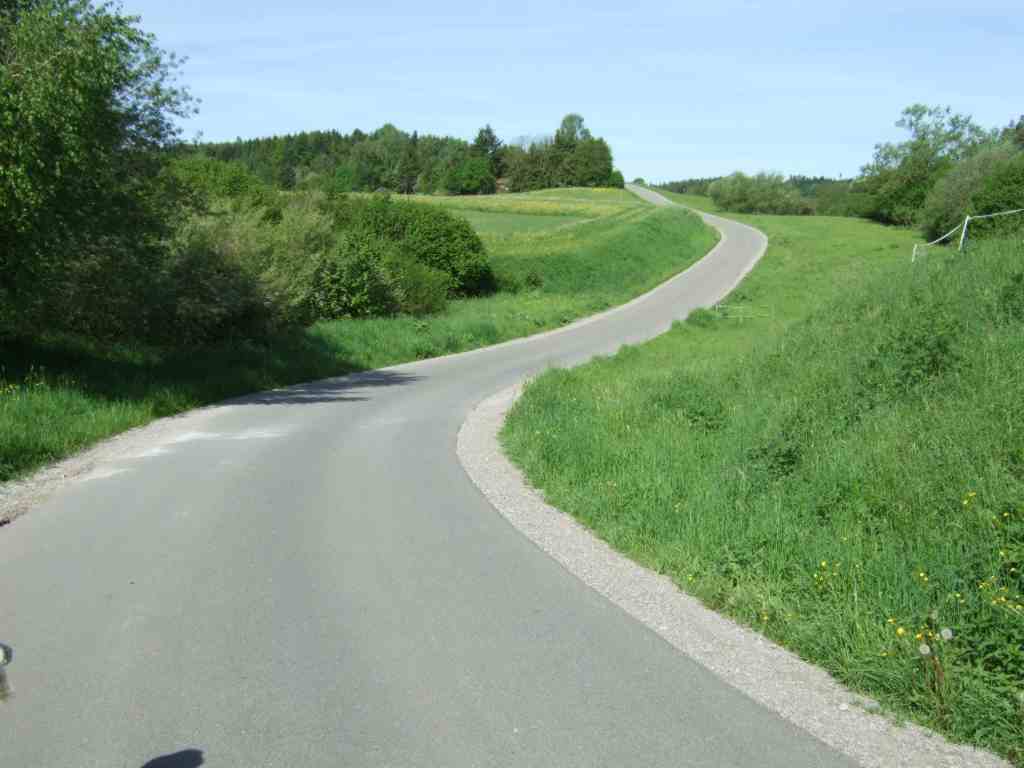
{"points": [[308, 578]]}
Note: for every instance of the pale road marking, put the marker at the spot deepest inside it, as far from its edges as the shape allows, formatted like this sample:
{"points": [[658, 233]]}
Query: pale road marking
{"points": [[102, 474]]}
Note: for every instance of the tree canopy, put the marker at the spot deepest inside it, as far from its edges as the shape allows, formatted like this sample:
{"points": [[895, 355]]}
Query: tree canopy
{"points": [[87, 100]]}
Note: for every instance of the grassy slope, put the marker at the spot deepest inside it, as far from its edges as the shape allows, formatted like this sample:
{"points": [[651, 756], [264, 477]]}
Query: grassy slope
{"points": [[606, 248], [836, 458]]}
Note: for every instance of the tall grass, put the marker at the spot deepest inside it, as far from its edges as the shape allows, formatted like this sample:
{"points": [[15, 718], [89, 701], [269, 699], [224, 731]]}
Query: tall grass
{"points": [[62, 394], [835, 456]]}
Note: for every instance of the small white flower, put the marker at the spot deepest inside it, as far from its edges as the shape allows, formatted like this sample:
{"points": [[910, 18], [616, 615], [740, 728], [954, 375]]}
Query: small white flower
{"points": [[947, 634], [924, 649]]}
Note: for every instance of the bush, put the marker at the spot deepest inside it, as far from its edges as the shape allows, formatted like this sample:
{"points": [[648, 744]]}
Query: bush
{"points": [[209, 180], [959, 192], [87, 100], [763, 193], [429, 235], [1003, 190], [354, 281], [616, 180], [423, 290], [204, 295]]}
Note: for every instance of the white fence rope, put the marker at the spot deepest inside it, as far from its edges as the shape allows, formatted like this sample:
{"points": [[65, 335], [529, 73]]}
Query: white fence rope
{"points": [[962, 229]]}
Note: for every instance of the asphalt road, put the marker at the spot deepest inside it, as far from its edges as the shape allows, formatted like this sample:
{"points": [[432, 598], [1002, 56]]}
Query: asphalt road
{"points": [[308, 578]]}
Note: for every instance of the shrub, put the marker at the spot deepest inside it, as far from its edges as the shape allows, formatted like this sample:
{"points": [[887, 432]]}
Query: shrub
{"points": [[427, 234], [957, 194], [205, 295], [423, 290], [763, 193], [354, 281], [210, 180], [616, 180], [1003, 190]]}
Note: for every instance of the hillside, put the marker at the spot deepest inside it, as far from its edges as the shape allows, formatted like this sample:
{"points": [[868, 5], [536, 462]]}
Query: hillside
{"points": [[558, 255], [834, 456]]}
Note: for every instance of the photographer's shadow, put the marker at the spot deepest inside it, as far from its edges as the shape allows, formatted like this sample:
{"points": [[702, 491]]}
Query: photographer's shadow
{"points": [[187, 758]]}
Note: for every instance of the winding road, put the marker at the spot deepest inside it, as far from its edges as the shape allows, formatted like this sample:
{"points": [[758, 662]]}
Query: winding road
{"points": [[307, 577]]}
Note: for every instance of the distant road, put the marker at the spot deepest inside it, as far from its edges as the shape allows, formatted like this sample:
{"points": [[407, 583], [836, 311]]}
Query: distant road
{"points": [[307, 577]]}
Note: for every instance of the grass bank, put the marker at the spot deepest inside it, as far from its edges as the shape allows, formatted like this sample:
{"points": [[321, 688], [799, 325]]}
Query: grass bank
{"points": [[60, 395], [835, 457]]}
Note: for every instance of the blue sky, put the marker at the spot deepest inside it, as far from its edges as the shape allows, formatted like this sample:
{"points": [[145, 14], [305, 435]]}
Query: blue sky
{"points": [[679, 89]]}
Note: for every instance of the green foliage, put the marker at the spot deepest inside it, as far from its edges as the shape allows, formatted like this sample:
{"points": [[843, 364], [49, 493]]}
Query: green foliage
{"points": [[763, 193], [487, 144], [834, 459], [573, 158], [208, 179], [422, 290], [1002, 190], [690, 186], [60, 394], [429, 235], [86, 102], [471, 176], [901, 175], [354, 280], [1015, 133], [956, 194], [204, 295]]}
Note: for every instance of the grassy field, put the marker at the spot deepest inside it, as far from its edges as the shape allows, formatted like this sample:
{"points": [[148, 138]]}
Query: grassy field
{"points": [[559, 255], [834, 456]]}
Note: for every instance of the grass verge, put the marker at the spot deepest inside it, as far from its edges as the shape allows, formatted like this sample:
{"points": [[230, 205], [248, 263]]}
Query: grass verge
{"points": [[59, 395], [835, 456]]}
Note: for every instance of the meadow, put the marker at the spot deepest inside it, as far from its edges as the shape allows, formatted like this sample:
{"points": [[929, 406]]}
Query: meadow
{"points": [[833, 456], [559, 255]]}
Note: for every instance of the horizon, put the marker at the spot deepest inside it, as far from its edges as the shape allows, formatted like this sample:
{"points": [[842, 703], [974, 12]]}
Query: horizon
{"points": [[679, 100]]}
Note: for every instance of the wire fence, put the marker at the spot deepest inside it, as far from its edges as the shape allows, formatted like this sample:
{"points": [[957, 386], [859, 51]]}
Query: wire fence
{"points": [[962, 229]]}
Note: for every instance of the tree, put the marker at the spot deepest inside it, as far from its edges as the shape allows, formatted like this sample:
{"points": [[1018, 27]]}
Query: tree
{"points": [[958, 193], [409, 167], [489, 145], [571, 131], [900, 175], [87, 103], [591, 164]]}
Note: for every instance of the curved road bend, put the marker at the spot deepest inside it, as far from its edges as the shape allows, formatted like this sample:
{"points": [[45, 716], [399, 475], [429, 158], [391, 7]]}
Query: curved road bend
{"points": [[307, 577]]}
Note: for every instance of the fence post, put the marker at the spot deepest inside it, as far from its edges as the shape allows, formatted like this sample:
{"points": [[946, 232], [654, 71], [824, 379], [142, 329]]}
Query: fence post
{"points": [[963, 235]]}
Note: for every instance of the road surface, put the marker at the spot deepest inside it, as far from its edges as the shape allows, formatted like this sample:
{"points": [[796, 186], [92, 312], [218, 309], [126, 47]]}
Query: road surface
{"points": [[308, 578]]}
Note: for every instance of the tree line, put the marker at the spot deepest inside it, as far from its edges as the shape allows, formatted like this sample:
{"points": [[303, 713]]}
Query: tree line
{"points": [[112, 228], [948, 167], [389, 159]]}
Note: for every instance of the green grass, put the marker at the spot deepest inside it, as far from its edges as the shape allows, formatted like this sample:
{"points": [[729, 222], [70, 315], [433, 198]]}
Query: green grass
{"points": [[490, 224], [61, 395], [835, 456]]}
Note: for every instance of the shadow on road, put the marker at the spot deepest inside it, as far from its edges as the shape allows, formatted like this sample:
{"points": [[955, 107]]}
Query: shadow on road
{"points": [[340, 390], [188, 758]]}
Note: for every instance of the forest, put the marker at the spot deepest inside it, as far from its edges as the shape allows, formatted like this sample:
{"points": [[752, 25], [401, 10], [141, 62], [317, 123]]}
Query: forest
{"points": [[389, 159]]}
